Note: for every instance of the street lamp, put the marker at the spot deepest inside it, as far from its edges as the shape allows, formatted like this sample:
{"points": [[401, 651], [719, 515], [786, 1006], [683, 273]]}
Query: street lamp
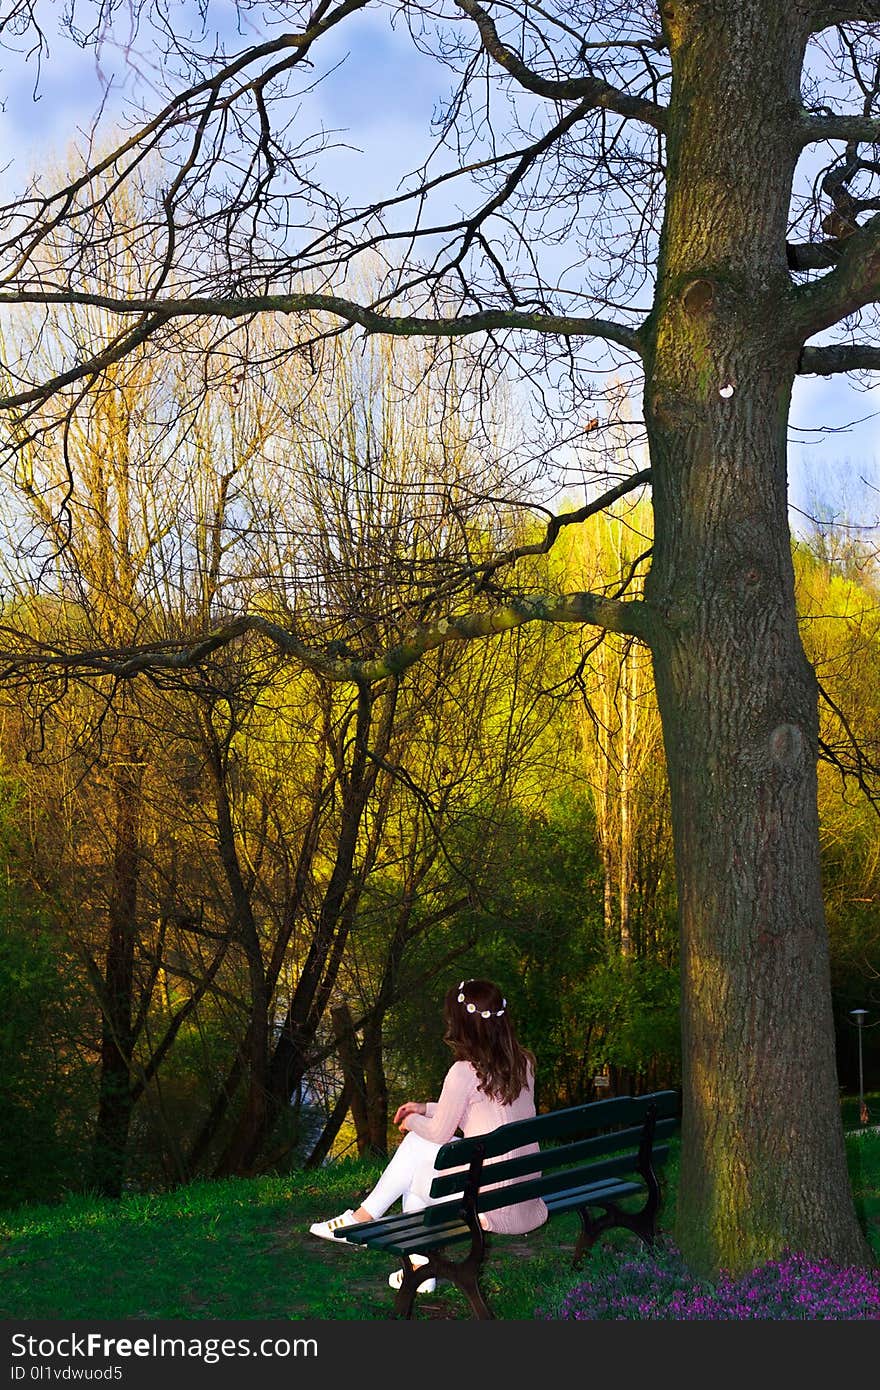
{"points": [[860, 1015]]}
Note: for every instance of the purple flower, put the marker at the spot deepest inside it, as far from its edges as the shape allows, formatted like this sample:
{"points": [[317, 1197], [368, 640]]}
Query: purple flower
{"points": [[659, 1286]]}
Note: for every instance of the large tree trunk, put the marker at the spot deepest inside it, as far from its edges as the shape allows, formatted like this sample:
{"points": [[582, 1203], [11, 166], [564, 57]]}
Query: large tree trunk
{"points": [[737, 696]]}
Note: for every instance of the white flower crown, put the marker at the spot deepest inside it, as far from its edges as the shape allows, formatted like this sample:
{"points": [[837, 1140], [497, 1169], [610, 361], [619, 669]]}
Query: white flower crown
{"points": [[472, 1008]]}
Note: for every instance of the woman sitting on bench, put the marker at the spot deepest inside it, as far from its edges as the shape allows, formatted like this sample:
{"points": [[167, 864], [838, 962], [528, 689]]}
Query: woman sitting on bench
{"points": [[490, 1083]]}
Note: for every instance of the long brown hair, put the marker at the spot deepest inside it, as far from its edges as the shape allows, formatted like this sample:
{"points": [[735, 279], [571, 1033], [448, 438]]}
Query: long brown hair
{"points": [[484, 1037]]}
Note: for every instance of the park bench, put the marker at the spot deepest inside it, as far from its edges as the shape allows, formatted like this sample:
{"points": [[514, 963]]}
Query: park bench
{"points": [[572, 1173]]}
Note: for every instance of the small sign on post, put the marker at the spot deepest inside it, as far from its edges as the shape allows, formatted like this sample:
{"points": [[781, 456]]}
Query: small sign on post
{"points": [[601, 1081]]}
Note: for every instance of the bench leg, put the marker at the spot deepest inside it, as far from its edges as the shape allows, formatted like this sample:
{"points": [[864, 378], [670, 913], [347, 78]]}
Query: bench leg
{"points": [[465, 1275], [474, 1295], [405, 1297], [641, 1223]]}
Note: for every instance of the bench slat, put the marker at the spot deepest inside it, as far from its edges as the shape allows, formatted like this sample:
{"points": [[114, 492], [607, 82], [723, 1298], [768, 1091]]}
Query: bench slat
{"points": [[558, 1124], [448, 1183], [363, 1231], [408, 1221], [589, 1196], [421, 1237], [527, 1190]]}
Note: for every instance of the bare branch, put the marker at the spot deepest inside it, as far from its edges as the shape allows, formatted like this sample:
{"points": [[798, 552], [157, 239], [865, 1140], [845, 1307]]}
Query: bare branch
{"points": [[851, 760], [862, 129], [180, 109], [813, 255], [594, 609], [831, 12], [853, 283], [562, 519], [116, 350], [157, 312], [839, 357], [598, 93]]}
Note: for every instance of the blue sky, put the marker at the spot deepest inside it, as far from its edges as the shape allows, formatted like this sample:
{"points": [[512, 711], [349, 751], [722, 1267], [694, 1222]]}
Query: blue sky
{"points": [[381, 99]]}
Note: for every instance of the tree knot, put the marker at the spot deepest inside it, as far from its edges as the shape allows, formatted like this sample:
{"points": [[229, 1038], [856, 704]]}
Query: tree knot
{"points": [[785, 744], [698, 296]]}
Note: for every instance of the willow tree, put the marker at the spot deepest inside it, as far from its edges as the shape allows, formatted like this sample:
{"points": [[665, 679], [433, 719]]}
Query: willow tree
{"points": [[710, 157]]}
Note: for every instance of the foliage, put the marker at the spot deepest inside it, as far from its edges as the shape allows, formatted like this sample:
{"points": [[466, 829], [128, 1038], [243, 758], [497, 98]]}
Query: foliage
{"points": [[615, 722], [635, 1005], [583, 1005], [44, 1092], [837, 587], [518, 843], [537, 929]]}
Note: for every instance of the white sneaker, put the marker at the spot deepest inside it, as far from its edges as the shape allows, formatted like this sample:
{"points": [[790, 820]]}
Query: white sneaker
{"points": [[396, 1279], [326, 1229]]}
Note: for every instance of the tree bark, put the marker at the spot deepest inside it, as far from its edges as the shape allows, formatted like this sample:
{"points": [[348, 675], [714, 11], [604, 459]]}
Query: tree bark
{"points": [[737, 695], [355, 1086], [625, 794], [239, 1151], [115, 1097], [377, 1091]]}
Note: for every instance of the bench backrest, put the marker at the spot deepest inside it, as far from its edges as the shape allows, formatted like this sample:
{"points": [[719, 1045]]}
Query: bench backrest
{"points": [[572, 1159]]}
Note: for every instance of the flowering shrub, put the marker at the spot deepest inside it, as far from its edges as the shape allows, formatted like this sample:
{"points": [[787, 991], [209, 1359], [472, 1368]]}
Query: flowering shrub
{"points": [[656, 1285]]}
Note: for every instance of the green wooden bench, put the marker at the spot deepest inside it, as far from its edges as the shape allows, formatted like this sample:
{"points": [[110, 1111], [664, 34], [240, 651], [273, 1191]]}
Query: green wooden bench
{"points": [[573, 1173]]}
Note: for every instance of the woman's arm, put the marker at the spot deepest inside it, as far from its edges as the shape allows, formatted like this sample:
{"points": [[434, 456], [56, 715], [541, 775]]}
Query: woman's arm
{"points": [[449, 1109], [411, 1107], [414, 1107]]}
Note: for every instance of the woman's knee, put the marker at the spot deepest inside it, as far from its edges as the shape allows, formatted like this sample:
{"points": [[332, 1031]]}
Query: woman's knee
{"points": [[414, 1143]]}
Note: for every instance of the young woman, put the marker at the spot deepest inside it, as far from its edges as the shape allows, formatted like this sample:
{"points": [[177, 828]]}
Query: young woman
{"points": [[491, 1082]]}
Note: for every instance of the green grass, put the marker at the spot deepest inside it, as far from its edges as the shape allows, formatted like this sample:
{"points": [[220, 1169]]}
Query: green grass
{"points": [[863, 1159], [240, 1249], [233, 1249]]}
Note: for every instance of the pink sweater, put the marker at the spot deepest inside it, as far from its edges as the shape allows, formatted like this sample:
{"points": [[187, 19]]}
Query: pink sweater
{"points": [[462, 1105]]}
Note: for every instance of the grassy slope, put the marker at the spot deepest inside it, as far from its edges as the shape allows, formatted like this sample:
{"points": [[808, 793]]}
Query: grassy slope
{"points": [[235, 1249], [241, 1249]]}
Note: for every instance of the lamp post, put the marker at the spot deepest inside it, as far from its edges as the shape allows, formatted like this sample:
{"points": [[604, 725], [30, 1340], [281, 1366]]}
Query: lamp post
{"points": [[860, 1015]]}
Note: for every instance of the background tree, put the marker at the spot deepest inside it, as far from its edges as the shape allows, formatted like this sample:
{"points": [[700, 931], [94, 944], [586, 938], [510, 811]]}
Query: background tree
{"points": [[224, 826], [620, 734], [837, 576]]}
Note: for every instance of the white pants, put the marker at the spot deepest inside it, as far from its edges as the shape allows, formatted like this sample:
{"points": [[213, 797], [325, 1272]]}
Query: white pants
{"points": [[408, 1176]]}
